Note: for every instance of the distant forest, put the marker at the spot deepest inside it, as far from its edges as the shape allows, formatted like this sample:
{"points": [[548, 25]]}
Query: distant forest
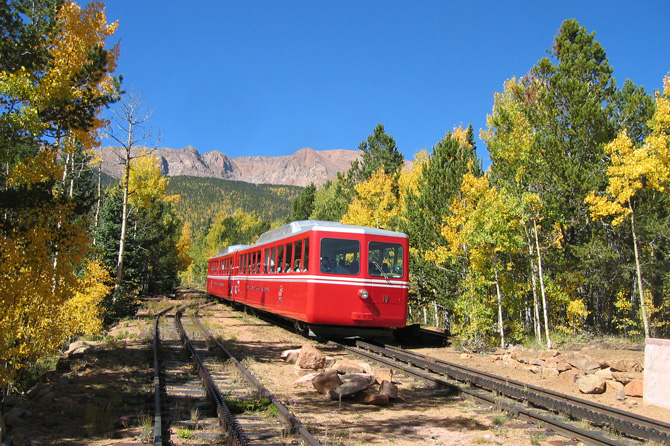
{"points": [[202, 198]]}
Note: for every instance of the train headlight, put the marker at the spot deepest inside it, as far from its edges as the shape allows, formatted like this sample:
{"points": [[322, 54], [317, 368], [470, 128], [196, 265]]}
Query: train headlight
{"points": [[364, 294]]}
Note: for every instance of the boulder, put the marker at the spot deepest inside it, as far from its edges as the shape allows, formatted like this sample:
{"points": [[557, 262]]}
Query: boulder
{"points": [[376, 399], [349, 366], [290, 356], [383, 374], [325, 381], [634, 388], [310, 358], [389, 389], [352, 383], [591, 384], [305, 379]]}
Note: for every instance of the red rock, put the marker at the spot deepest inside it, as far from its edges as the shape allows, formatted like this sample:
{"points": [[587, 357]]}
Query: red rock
{"points": [[376, 399], [634, 388]]}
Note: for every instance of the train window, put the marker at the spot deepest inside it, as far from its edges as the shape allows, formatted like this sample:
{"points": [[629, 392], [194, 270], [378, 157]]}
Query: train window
{"points": [[280, 258], [385, 259], [273, 257], [288, 266], [340, 256], [297, 256], [258, 262], [266, 261], [305, 260]]}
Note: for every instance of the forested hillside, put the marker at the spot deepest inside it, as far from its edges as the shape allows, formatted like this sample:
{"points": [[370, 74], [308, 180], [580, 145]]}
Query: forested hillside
{"points": [[203, 198]]}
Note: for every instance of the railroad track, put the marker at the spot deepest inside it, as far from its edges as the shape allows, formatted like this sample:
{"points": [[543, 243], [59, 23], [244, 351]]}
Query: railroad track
{"points": [[222, 396], [523, 400]]}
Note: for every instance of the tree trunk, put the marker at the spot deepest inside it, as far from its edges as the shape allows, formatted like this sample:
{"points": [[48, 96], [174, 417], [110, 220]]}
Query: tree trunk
{"points": [[537, 325], [500, 308], [544, 295], [124, 217], [638, 269]]}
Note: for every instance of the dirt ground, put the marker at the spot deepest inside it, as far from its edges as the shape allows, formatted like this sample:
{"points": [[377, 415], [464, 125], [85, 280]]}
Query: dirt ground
{"points": [[103, 396]]}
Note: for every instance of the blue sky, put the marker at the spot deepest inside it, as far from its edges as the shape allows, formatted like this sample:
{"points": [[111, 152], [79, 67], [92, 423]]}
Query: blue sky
{"points": [[271, 77]]}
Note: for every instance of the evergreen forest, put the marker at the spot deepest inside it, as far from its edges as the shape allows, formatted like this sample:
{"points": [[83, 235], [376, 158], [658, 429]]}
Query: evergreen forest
{"points": [[566, 233]]}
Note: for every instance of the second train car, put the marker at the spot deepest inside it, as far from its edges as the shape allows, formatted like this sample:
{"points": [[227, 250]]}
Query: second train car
{"points": [[331, 278]]}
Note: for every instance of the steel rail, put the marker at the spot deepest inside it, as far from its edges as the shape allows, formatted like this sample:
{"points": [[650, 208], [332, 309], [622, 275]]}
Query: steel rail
{"points": [[291, 421], [616, 420], [158, 424], [594, 438], [236, 436]]}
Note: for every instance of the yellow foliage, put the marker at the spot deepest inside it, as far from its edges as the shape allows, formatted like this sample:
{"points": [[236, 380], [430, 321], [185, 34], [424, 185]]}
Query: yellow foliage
{"points": [[146, 183], [376, 204], [40, 268]]}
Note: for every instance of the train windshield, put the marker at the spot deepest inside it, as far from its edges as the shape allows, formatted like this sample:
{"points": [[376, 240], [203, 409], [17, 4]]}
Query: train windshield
{"points": [[385, 259], [340, 256]]}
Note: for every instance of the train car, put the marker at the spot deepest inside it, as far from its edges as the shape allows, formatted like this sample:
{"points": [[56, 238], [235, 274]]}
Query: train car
{"points": [[335, 279]]}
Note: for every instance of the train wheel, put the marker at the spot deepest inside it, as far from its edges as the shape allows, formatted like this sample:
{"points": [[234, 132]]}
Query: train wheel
{"points": [[300, 326]]}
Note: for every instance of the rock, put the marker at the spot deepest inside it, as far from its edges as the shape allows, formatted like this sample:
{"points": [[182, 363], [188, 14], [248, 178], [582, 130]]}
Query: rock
{"points": [[591, 384], [500, 352], [383, 374], [63, 365], [325, 381], [352, 383], [616, 365], [617, 387], [290, 356], [604, 373], [15, 417], [305, 379], [78, 348], [465, 355], [349, 366], [310, 358], [563, 366], [584, 363], [389, 389], [624, 377], [11, 400], [546, 354], [632, 365], [550, 372], [634, 388], [376, 399]]}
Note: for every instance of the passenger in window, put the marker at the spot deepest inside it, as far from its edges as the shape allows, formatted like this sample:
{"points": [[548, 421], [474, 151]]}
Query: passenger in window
{"points": [[325, 265], [341, 268], [296, 266], [332, 265], [353, 268]]}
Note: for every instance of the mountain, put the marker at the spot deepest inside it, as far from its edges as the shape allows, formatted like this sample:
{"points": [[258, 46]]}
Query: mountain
{"points": [[300, 169]]}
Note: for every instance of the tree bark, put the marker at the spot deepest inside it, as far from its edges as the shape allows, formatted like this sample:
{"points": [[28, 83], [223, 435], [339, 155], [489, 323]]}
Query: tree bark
{"points": [[544, 295], [638, 269]]}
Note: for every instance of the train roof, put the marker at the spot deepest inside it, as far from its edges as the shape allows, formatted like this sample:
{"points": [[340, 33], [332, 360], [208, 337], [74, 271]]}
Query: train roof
{"points": [[297, 227], [229, 249]]}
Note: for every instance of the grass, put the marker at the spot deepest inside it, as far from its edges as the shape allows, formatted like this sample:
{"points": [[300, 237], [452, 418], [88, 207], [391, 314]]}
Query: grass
{"points": [[248, 406], [145, 424]]}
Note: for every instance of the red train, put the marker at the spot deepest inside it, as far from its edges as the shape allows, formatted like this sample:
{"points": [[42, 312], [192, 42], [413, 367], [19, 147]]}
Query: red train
{"points": [[332, 278]]}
